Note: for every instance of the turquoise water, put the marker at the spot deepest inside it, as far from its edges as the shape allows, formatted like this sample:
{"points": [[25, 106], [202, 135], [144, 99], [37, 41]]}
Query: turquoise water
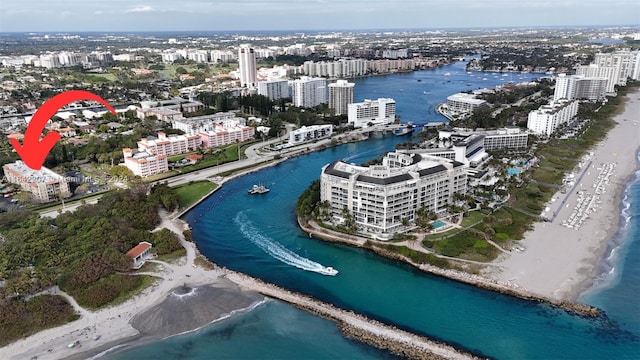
{"points": [[513, 171], [259, 236], [272, 331], [436, 224]]}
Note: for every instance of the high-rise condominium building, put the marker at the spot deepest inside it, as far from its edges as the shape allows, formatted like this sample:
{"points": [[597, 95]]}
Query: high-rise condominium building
{"points": [[247, 66], [309, 92], [382, 199], [620, 61], [597, 71], [547, 118], [274, 89], [340, 96], [580, 87]]}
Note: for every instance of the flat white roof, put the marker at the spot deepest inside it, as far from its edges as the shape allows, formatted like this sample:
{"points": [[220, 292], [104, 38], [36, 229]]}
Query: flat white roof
{"points": [[466, 98], [34, 176]]}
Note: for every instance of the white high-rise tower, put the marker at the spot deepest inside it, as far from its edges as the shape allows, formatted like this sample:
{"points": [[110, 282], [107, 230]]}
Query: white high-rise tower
{"points": [[247, 66], [340, 96]]}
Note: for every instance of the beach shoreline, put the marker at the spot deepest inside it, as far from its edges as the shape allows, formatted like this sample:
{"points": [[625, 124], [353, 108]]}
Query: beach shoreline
{"points": [[144, 318], [547, 274], [543, 280], [482, 282], [560, 261]]}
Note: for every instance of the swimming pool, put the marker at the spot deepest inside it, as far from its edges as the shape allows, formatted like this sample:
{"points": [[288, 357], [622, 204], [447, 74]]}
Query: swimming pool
{"points": [[436, 224], [513, 171]]}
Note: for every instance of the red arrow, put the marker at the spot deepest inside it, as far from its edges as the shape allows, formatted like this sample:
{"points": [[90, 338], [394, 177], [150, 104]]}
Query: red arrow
{"points": [[33, 151]]}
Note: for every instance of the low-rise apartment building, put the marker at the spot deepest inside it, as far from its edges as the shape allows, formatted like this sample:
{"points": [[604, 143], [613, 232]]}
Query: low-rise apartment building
{"points": [[309, 133], [44, 184], [142, 163]]}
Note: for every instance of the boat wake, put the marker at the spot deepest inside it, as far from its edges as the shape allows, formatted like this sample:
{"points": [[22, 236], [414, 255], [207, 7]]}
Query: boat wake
{"points": [[276, 250]]}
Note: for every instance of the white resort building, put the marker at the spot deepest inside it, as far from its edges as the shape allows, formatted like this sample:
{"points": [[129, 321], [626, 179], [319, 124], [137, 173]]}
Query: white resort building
{"points": [[510, 137], [44, 184], [309, 133], [464, 103], [548, 118], [381, 197], [372, 112]]}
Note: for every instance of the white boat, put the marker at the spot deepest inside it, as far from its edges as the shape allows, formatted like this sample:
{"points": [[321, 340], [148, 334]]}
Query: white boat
{"points": [[405, 129], [328, 270], [258, 189], [447, 74]]}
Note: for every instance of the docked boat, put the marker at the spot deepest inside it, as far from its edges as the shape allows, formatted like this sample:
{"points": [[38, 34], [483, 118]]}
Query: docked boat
{"points": [[405, 129], [258, 189]]}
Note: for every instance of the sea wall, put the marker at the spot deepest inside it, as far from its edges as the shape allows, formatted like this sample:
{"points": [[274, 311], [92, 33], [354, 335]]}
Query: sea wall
{"points": [[356, 326], [460, 276]]}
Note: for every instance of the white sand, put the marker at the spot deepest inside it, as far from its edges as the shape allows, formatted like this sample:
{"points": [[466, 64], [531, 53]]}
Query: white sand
{"points": [[561, 262], [112, 324]]}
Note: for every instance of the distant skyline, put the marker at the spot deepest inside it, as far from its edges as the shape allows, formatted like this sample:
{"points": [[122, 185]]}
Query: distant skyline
{"points": [[202, 15]]}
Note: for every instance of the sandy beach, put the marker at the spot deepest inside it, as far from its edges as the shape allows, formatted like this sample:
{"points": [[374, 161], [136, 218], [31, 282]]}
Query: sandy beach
{"points": [[112, 324], [186, 297], [561, 258]]}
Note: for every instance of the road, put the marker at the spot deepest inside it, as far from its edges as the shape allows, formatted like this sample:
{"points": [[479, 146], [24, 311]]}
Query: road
{"points": [[53, 212], [256, 154]]}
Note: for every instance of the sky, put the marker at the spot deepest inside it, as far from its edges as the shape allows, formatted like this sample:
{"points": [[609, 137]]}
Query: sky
{"points": [[202, 15]]}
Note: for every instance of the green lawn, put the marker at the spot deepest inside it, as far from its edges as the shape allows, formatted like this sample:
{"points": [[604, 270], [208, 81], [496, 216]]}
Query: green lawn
{"points": [[474, 217], [438, 236], [228, 154], [190, 193]]}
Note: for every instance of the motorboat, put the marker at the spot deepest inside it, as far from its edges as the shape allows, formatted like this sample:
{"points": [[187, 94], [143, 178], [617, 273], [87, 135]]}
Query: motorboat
{"points": [[328, 270], [258, 189]]}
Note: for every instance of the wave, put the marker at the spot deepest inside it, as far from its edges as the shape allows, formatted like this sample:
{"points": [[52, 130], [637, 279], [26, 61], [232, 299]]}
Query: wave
{"points": [[608, 274], [120, 348], [275, 249]]}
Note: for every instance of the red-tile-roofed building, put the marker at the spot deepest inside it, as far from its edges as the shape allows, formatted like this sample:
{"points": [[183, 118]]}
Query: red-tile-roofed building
{"points": [[193, 158], [139, 254]]}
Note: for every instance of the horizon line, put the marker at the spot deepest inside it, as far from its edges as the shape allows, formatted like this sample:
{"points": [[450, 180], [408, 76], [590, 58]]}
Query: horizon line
{"points": [[501, 27]]}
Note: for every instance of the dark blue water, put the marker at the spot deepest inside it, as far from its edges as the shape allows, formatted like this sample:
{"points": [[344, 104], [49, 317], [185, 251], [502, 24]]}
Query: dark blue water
{"points": [[259, 236]]}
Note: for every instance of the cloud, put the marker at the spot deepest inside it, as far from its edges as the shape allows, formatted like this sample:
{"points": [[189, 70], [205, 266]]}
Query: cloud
{"points": [[139, 9]]}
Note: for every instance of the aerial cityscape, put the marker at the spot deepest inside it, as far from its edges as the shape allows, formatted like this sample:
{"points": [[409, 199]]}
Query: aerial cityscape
{"points": [[328, 179]]}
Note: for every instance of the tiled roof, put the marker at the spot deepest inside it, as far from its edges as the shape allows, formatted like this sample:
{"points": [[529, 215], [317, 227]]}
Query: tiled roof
{"points": [[138, 249]]}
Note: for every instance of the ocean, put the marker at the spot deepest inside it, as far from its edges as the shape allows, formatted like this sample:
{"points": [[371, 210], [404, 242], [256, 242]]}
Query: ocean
{"points": [[259, 236]]}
